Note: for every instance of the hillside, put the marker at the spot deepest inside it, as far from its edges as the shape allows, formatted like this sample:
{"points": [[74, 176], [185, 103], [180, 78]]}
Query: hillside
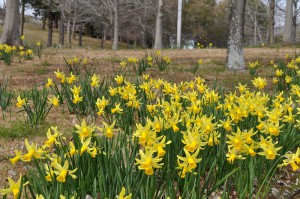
{"points": [[33, 33]]}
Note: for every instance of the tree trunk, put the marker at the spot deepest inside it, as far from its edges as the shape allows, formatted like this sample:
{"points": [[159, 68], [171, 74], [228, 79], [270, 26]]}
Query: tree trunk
{"points": [[50, 28], [22, 18], [135, 41], [103, 37], [61, 31], [80, 36], [44, 21], [288, 25], [116, 25], [295, 14], [158, 30], [69, 32], [179, 22], [271, 22], [74, 28], [255, 25], [144, 25], [11, 29], [235, 53], [56, 22]]}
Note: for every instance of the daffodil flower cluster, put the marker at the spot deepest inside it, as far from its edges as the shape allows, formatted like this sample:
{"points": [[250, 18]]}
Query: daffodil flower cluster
{"points": [[157, 130], [286, 74], [8, 52]]}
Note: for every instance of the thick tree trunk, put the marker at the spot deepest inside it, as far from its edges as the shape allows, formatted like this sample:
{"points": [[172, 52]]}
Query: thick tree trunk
{"points": [[61, 31], [235, 53], [271, 22], [179, 22], [22, 18], [158, 30], [116, 25], [80, 36], [288, 25], [11, 29], [50, 28]]}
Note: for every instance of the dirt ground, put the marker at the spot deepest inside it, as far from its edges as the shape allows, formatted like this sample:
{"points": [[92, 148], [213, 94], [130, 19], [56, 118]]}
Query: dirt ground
{"points": [[26, 74]]}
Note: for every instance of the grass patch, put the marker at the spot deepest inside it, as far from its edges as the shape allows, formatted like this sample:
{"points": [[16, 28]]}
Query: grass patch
{"points": [[113, 59], [19, 129], [216, 62]]}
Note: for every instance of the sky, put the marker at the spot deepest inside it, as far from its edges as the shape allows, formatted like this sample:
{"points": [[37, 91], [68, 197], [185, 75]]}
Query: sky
{"points": [[27, 11]]}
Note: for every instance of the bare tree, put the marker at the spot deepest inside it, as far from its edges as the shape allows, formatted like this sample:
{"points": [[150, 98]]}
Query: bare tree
{"points": [[50, 28], [115, 45], [23, 3], [288, 25], [271, 21], [295, 14], [11, 31], [158, 28], [62, 29], [235, 53]]}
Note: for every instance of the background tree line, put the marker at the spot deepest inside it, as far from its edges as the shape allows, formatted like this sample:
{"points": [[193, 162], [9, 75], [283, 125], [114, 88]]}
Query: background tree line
{"points": [[160, 23], [135, 21]]}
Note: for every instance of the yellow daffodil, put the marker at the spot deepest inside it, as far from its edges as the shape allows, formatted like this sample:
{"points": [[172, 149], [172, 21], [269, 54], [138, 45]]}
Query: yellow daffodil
{"points": [[117, 109], [232, 155], [95, 79], [269, 150], [102, 103], [292, 159], [119, 79], [279, 72], [84, 130], [189, 161], [259, 82], [123, 64], [122, 194], [77, 98], [14, 188], [63, 171], [51, 138], [61, 76], [108, 130], [148, 162], [17, 157], [71, 79], [32, 151], [49, 83], [54, 100], [85, 146], [20, 101]]}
